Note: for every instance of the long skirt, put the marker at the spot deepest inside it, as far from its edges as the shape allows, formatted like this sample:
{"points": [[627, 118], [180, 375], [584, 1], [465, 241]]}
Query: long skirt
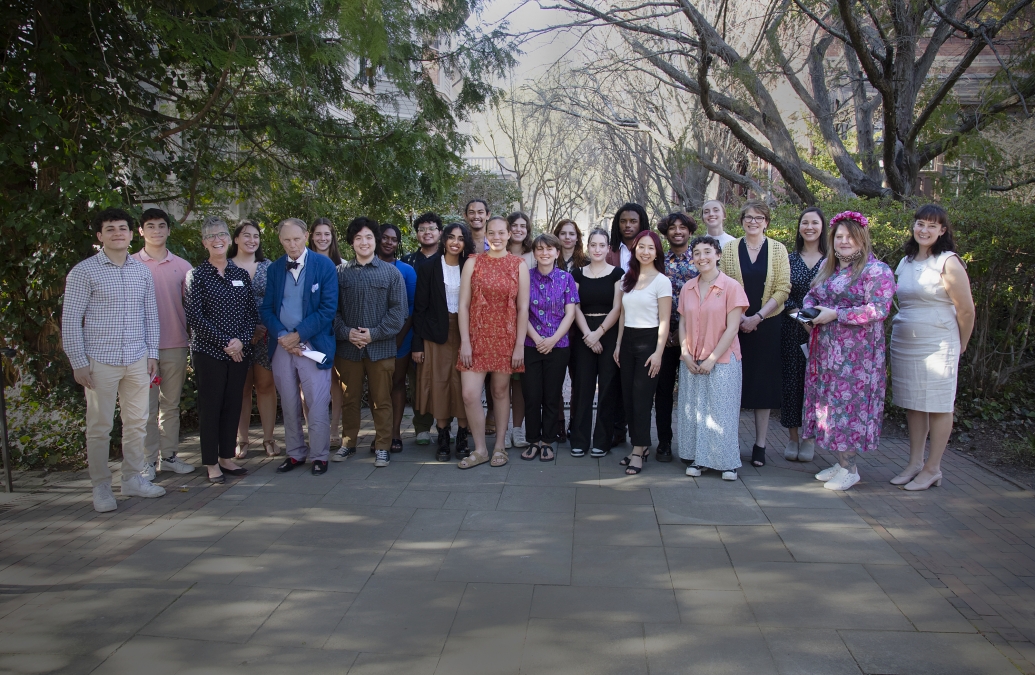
{"points": [[709, 416], [438, 380]]}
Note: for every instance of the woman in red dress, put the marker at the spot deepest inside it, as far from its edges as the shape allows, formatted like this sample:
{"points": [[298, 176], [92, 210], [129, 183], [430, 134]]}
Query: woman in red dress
{"points": [[493, 319]]}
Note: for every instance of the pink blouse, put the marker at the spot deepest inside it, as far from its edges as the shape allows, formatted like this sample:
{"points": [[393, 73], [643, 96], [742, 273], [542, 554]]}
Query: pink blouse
{"points": [[706, 322]]}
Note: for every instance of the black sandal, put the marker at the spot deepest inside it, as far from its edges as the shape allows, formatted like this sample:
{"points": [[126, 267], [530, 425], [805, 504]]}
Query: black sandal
{"points": [[757, 456], [631, 470], [546, 448], [625, 460], [531, 452], [397, 445]]}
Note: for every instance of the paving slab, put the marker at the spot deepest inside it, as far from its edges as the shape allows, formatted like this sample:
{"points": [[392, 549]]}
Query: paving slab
{"points": [[216, 612], [583, 648], [725, 650], [815, 651], [891, 653], [679, 506]]}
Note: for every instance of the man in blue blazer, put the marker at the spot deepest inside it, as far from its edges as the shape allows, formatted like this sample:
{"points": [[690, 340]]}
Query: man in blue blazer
{"points": [[298, 311]]}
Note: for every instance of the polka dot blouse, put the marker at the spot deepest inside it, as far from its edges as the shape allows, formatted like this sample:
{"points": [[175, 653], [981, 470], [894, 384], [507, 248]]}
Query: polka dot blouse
{"points": [[219, 308]]}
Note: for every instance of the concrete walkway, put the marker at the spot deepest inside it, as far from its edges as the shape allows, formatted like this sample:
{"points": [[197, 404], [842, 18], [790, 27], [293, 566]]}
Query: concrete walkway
{"points": [[562, 567]]}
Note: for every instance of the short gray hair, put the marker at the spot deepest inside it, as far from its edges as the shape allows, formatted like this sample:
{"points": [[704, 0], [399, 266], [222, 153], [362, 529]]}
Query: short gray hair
{"points": [[297, 222], [214, 223]]}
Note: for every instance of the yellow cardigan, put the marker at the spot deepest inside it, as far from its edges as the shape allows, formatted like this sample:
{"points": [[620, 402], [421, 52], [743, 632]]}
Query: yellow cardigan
{"points": [[778, 274]]}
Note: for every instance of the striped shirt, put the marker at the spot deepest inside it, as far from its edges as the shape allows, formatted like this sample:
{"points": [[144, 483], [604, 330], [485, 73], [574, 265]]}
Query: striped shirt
{"points": [[369, 296], [109, 314]]}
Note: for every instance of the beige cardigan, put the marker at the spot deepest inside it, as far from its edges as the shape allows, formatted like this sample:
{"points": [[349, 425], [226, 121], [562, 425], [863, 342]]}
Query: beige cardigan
{"points": [[778, 273]]}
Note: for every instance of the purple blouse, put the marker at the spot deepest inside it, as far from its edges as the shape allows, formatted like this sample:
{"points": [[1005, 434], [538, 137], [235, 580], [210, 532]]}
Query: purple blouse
{"points": [[547, 296]]}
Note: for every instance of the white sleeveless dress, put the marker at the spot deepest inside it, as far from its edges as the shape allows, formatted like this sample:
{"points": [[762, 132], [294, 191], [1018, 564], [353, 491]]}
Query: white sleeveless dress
{"points": [[925, 338]]}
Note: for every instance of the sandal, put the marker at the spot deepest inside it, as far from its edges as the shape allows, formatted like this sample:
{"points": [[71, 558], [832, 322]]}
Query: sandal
{"points": [[625, 460], [271, 447], [631, 470], [530, 453], [546, 448], [397, 445], [241, 451], [499, 458], [757, 456], [472, 460]]}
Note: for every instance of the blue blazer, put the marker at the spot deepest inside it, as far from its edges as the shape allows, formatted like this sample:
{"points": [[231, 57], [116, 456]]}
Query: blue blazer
{"points": [[317, 327]]}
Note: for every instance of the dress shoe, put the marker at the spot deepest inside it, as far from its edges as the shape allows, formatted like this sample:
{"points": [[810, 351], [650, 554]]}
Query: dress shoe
{"points": [[319, 468], [914, 484], [906, 476], [218, 480], [664, 451], [239, 471], [290, 464]]}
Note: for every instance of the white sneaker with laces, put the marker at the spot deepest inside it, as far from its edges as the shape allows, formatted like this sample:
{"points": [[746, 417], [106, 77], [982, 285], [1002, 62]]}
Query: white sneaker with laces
{"points": [[829, 472], [174, 464], [149, 470], [694, 470], [518, 437], [843, 480], [382, 458], [103, 499], [424, 438], [138, 486], [729, 475]]}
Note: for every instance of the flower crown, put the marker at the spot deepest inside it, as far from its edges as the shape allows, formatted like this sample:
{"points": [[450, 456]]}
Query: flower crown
{"points": [[850, 215]]}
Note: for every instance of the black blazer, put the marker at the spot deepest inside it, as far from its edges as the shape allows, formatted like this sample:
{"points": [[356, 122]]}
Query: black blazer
{"points": [[430, 313]]}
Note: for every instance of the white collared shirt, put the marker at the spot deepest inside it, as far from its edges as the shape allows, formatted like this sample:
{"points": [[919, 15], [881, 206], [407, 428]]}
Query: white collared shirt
{"points": [[624, 256], [301, 264]]}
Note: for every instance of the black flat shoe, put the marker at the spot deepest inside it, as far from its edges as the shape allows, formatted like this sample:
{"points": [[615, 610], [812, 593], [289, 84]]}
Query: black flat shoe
{"points": [[218, 480], [319, 468], [757, 456], [664, 451], [240, 471], [289, 465]]}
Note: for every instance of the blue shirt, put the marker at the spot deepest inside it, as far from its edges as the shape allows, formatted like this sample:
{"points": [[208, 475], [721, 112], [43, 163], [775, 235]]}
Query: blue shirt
{"points": [[409, 276]]}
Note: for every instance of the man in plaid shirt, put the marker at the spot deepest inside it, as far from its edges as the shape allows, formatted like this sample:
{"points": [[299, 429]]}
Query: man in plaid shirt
{"points": [[110, 331]]}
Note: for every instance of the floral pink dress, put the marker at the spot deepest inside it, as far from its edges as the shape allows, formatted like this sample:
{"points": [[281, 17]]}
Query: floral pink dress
{"points": [[845, 375]]}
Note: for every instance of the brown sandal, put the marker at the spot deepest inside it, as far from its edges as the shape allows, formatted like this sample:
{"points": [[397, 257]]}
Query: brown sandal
{"points": [[498, 455], [241, 451], [472, 460]]}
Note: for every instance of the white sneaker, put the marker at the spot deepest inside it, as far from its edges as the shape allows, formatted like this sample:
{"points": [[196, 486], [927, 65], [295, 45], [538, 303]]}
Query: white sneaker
{"points": [[829, 472], [508, 439], [806, 449], [149, 470], [424, 438], [382, 458], [729, 475], [138, 486], [842, 481], [103, 499], [518, 437], [694, 470], [790, 451], [174, 464], [597, 452]]}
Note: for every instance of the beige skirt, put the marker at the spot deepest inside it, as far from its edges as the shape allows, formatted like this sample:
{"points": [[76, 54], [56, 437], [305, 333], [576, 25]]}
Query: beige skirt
{"points": [[438, 380]]}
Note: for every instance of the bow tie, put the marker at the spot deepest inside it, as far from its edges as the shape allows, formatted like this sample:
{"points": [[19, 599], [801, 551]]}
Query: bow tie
{"points": [[292, 265]]}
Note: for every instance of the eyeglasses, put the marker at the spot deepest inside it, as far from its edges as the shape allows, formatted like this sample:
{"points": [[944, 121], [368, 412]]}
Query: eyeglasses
{"points": [[215, 235], [427, 230], [754, 219]]}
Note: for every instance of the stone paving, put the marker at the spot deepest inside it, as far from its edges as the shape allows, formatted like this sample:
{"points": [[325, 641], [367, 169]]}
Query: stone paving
{"points": [[561, 567]]}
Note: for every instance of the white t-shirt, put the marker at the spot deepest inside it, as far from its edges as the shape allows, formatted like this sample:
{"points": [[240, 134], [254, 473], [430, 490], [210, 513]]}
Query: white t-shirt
{"points": [[451, 279], [641, 307], [724, 239]]}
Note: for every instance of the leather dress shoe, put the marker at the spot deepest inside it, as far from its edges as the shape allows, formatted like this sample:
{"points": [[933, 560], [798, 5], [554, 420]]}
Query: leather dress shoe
{"points": [[239, 471], [319, 468], [290, 464], [218, 480]]}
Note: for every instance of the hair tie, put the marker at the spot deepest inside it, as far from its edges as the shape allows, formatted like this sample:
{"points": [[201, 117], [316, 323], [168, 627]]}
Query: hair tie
{"points": [[850, 215]]}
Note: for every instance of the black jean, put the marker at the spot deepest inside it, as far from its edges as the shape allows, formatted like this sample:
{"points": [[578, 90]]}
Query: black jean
{"points": [[595, 375], [541, 383], [220, 393], [638, 386], [664, 398]]}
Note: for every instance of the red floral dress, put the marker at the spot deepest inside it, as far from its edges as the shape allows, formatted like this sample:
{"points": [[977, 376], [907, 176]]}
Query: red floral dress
{"points": [[493, 314]]}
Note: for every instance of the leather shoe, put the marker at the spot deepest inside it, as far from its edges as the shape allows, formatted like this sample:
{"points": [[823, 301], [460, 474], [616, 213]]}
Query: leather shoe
{"points": [[239, 471], [290, 464], [319, 468], [218, 480], [664, 451]]}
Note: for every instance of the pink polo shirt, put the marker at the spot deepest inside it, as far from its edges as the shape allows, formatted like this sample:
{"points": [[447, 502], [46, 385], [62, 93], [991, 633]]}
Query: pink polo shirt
{"points": [[706, 322], [170, 277]]}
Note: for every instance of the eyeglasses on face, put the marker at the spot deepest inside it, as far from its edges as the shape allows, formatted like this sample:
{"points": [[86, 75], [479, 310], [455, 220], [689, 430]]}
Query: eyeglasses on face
{"points": [[427, 230], [754, 219], [215, 235]]}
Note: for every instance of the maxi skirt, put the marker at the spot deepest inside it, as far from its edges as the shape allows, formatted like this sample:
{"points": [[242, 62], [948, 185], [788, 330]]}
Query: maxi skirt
{"points": [[709, 416], [438, 382]]}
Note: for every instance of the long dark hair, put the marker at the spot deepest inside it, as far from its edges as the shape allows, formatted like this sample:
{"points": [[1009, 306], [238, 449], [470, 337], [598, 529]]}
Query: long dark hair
{"points": [[578, 254], [232, 251], [468, 249], [799, 241], [633, 275], [333, 253], [526, 245], [946, 242], [616, 233]]}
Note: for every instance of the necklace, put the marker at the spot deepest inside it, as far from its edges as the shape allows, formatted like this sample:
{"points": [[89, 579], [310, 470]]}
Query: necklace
{"points": [[754, 248]]}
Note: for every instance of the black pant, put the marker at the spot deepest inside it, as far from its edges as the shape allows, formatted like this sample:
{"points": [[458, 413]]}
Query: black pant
{"points": [[664, 398], [638, 386], [220, 392], [590, 369], [541, 384]]}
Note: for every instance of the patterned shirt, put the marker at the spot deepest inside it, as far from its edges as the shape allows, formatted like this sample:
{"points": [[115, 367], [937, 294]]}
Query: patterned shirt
{"points": [[219, 309], [679, 268], [109, 313], [547, 296], [369, 296]]}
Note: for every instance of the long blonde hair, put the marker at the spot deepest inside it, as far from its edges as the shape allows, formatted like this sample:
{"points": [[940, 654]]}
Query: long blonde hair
{"points": [[861, 235]]}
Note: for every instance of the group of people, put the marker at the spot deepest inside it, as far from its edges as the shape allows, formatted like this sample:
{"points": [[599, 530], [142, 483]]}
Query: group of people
{"points": [[485, 309]]}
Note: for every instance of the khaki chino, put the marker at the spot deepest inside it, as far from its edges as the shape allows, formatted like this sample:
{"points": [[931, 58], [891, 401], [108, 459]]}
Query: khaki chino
{"points": [[129, 386], [379, 383]]}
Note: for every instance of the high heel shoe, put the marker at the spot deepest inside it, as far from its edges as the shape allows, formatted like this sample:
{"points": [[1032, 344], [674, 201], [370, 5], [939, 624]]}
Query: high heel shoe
{"points": [[631, 470], [906, 476], [241, 451], [625, 460], [935, 480]]}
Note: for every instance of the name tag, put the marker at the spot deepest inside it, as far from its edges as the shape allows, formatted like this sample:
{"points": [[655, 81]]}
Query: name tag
{"points": [[316, 287], [237, 282]]}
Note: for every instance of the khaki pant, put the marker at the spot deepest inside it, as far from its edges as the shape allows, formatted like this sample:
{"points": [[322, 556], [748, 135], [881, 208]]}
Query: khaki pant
{"points": [[129, 385], [163, 417], [379, 383]]}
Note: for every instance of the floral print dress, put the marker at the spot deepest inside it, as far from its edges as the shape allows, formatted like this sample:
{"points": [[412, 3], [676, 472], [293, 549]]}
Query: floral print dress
{"points": [[845, 376]]}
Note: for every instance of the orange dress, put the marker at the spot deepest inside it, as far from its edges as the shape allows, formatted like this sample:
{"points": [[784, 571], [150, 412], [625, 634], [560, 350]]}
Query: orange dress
{"points": [[493, 314]]}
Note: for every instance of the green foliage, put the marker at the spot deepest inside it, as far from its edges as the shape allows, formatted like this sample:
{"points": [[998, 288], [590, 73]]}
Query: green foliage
{"points": [[501, 193]]}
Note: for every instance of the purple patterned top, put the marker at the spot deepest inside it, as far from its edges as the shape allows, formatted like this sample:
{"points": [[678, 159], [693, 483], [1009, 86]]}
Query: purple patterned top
{"points": [[547, 296]]}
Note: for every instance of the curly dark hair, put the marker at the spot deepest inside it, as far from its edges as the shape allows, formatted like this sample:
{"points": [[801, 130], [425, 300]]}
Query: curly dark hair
{"points": [[686, 219], [110, 216]]}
